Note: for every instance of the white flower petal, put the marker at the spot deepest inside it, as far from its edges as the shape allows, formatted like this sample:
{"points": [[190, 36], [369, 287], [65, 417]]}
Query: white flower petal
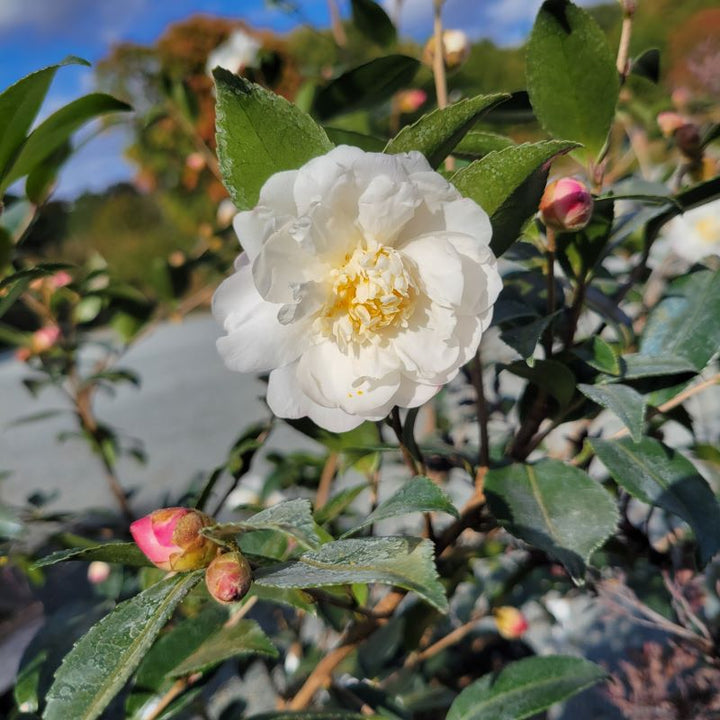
{"points": [[286, 400], [438, 267], [256, 340]]}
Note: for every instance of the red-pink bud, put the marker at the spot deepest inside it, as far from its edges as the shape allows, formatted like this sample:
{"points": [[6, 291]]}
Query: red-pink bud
{"points": [[511, 623], [228, 577], [171, 539], [409, 101], [669, 122], [566, 205]]}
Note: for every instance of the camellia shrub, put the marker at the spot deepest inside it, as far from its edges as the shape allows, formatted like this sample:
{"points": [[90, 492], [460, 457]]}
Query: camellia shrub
{"points": [[497, 348]]}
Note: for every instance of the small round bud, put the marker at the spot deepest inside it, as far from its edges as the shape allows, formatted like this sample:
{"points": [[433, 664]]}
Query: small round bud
{"points": [[410, 101], [566, 205], [456, 49], [669, 122], [171, 539], [228, 577], [511, 623], [688, 141]]}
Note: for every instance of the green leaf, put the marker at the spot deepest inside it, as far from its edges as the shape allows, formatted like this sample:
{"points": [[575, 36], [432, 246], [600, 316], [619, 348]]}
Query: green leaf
{"points": [[403, 561], [636, 365], [118, 552], [628, 404], [525, 337], [476, 144], [311, 715], [525, 688], [437, 133], [372, 21], [508, 185], [600, 355], [19, 105], [152, 680], [259, 134], [338, 503], [293, 517], [54, 132], [571, 75], [369, 143], [658, 475], [555, 507], [102, 661], [550, 375], [686, 322], [42, 178], [421, 494], [365, 86], [647, 65], [243, 638]]}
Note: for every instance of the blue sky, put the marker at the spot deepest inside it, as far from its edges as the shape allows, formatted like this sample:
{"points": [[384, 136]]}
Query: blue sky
{"points": [[36, 33]]}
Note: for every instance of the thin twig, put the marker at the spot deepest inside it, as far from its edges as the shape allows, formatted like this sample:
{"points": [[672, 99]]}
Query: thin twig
{"points": [[439, 67], [396, 425], [481, 409], [326, 478], [683, 605], [550, 258]]}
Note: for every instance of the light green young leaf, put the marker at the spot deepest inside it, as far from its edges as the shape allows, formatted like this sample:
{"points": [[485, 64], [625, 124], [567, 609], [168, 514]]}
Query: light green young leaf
{"points": [[19, 105], [258, 134], [658, 475], [293, 517], [508, 185], [54, 132], [102, 661], [525, 688], [627, 403], [421, 494], [243, 638], [403, 561], [571, 75], [555, 507], [437, 133], [118, 552]]}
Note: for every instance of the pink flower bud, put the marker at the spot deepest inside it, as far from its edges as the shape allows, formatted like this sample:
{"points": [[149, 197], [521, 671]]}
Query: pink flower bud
{"points": [[228, 577], [171, 539], [511, 623], [410, 101], [566, 205], [669, 122], [60, 279]]}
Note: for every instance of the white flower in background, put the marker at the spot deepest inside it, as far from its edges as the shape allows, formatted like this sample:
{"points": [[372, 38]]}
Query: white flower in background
{"points": [[366, 282], [696, 233], [239, 51]]}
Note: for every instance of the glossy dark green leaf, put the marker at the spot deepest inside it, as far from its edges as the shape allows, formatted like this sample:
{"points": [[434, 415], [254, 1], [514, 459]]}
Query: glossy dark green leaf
{"points": [[524, 337], [258, 134], [555, 507], [647, 65], [403, 561], [508, 185], [628, 404], [550, 375], [243, 638], [42, 178], [103, 660], [55, 131], [571, 75], [437, 133], [525, 688], [118, 552], [659, 475], [373, 22], [636, 365], [369, 143], [365, 86], [19, 105], [420, 494], [477, 144], [293, 517], [686, 322], [600, 355]]}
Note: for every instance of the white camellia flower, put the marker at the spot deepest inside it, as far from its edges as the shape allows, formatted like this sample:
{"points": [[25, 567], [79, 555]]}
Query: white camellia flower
{"points": [[366, 282], [695, 234], [239, 51]]}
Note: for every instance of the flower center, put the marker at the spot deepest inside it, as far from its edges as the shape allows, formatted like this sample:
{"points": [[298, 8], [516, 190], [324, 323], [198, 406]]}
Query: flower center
{"points": [[708, 228], [370, 292]]}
